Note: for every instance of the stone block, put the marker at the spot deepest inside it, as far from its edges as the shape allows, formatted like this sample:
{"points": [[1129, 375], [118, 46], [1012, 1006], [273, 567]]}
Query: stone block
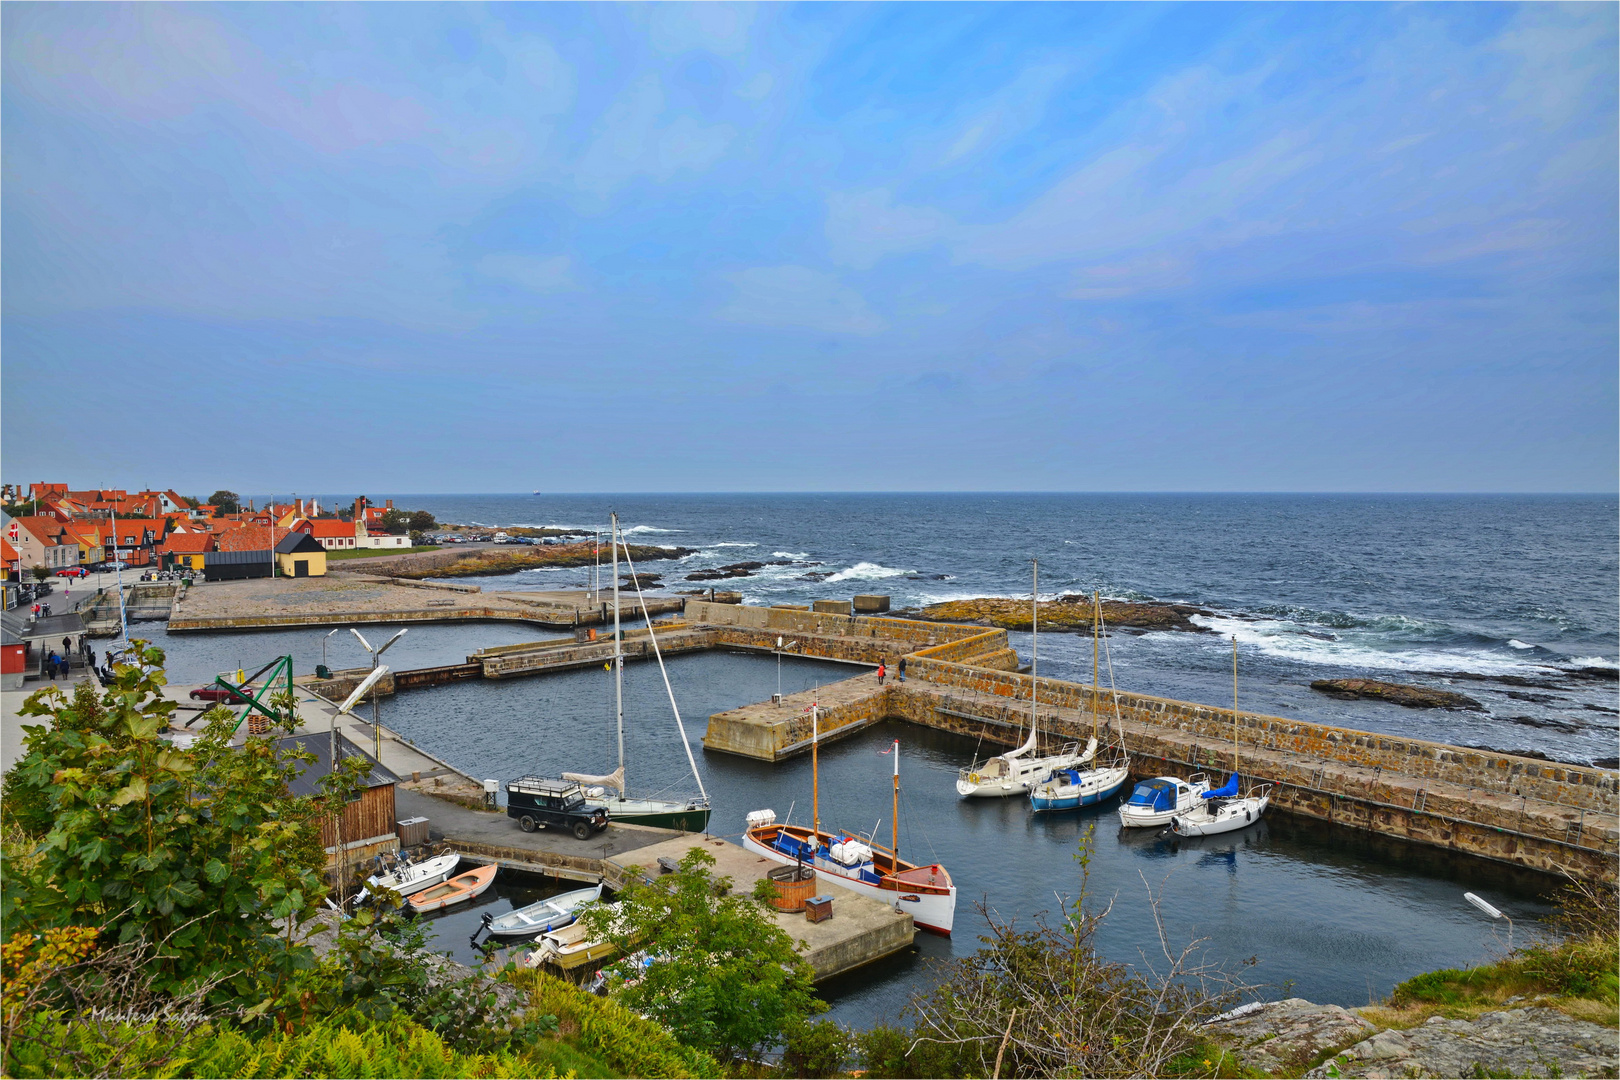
{"points": [[871, 604], [833, 607]]}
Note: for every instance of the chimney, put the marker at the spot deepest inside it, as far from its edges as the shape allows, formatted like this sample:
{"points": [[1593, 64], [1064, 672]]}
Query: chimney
{"points": [[359, 509], [390, 504]]}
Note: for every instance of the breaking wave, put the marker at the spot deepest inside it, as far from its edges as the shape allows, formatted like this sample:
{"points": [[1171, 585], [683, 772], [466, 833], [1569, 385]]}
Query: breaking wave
{"points": [[636, 530], [866, 571]]}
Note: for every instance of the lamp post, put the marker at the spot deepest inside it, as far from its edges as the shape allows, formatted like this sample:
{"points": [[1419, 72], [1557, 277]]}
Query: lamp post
{"points": [[376, 705], [324, 640]]}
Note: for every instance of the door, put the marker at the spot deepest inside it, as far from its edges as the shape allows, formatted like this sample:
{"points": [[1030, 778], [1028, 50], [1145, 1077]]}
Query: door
{"points": [[300, 568]]}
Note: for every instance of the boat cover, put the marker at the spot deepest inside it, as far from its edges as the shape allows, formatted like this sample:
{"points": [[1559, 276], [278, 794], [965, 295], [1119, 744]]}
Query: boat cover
{"points": [[1071, 776], [1154, 795], [1228, 791], [614, 779]]}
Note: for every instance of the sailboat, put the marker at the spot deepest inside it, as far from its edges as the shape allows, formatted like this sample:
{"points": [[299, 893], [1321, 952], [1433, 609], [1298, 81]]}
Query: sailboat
{"points": [[687, 815], [1070, 789], [1224, 810], [925, 892], [1013, 773]]}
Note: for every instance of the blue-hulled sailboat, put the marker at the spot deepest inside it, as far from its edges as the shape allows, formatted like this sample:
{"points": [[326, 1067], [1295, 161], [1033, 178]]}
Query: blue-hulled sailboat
{"points": [[1072, 788]]}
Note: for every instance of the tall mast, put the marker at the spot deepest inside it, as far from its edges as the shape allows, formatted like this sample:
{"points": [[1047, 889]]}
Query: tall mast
{"points": [[815, 771], [1096, 640], [618, 657], [895, 817], [1034, 644], [1234, 707]]}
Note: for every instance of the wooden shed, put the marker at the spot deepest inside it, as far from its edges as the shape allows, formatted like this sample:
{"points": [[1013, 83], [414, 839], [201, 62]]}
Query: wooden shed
{"points": [[367, 823]]}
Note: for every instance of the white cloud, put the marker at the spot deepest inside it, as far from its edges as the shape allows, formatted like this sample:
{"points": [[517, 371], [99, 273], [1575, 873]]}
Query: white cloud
{"points": [[797, 297], [863, 227], [633, 139], [540, 275]]}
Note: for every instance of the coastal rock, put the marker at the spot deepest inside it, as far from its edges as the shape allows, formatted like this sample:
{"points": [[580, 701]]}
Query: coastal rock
{"points": [[1287, 1037], [1071, 613], [1413, 697], [480, 562], [1517, 1042], [741, 569]]}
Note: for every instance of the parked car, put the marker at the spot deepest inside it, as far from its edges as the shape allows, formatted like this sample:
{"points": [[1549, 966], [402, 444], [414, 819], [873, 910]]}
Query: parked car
{"points": [[217, 693], [111, 566], [73, 571], [538, 801]]}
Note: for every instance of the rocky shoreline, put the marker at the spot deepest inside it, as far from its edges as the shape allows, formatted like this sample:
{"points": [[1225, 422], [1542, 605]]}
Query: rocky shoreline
{"points": [[482, 562], [1412, 697], [1066, 614]]}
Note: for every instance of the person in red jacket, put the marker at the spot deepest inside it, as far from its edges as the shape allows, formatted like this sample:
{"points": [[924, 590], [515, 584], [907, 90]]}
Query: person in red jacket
{"points": [[882, 671]]}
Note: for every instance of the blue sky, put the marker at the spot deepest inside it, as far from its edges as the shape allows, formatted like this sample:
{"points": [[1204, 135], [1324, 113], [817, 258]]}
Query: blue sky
{"points": [[831, 247]]}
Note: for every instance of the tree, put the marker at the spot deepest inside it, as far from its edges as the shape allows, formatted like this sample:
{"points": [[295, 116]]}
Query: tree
{"points": [[422, 521], [201, 853], [39, 571], [225, 502], [395, 521], [190, 501], [723, 976]]}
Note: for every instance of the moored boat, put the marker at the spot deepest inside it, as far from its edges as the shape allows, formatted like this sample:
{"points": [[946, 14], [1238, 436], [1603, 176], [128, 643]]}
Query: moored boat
{"points": [[461, 887], [568, 947], [1156, 801], [1226, 809], [923, 891], [1071, 789], [407, 878], [550, 914]]}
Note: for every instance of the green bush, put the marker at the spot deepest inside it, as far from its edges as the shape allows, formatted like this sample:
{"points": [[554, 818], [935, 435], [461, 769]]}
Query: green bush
{"points": [[50, 1045], [628, 1043], [889, 1052]]}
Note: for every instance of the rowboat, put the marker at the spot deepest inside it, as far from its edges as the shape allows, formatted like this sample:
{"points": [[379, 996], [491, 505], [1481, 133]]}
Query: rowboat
{"points": [[568, 947], [550, 914], [461, 887]]}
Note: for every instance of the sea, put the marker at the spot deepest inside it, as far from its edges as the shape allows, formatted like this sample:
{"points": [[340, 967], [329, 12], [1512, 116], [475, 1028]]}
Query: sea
{"points": [[1511, 600]]}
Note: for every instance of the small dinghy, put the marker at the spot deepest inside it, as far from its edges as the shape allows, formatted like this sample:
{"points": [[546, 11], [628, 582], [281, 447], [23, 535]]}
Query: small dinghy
{"points": [[568, 948], [461, 887], [551, 914], [407, 878], [1157, 801]]}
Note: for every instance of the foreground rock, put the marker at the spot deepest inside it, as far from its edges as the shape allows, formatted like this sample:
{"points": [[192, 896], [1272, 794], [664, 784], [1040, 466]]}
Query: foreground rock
{"points": [[1071, 613], [1518, 1042], [480, 562], [1285, 1038], [1413, 697]]}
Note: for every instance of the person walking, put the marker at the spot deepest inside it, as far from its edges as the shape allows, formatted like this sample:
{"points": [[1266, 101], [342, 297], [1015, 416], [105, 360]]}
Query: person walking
{"points": [[882, 671], [902, 669], [54, 663]]}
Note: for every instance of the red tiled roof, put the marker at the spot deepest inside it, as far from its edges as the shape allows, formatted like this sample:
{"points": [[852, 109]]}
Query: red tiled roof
{"points": [[189, 543], [321, 527], [47, 530], [7, 552], [248, 538]]}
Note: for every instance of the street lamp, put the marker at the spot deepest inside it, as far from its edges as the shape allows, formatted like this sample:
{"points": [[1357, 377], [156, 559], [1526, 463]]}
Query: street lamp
{"points": [[1492, 912], [376, 706], [324, 640]]}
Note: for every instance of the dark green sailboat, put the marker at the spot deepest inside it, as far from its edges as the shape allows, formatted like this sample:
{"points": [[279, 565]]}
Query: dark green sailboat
{"points": [[689, 814]]}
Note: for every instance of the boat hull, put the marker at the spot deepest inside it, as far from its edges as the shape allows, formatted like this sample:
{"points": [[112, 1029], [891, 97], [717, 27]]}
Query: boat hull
{"points": [[461, 887], [547, 915], [1132, 816], [1234, 814], [658, 814], [1021, 775], [1096, 786], [429, 874], [933, 907]]}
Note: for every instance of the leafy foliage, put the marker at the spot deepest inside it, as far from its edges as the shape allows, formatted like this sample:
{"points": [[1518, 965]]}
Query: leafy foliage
{"points": [[816, 1048], [725, 977], [201, 852], [631, 1044], [225, 502]]}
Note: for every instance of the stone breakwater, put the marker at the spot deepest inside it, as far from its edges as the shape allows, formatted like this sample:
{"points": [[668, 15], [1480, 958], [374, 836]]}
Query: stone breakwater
{"points": [[1065, 614], [1296, 1037], [481, 562], [1543, 815]]}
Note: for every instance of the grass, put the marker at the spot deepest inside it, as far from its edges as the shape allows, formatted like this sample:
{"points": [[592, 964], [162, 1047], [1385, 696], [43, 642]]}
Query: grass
{"points": [[376, 553]]}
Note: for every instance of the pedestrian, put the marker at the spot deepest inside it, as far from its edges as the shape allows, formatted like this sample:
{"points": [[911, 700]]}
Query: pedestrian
{"points": [[36, 611], [64, 665], [90, 657], [53, 662], [67, 645], [902, 669], [882, 671]]}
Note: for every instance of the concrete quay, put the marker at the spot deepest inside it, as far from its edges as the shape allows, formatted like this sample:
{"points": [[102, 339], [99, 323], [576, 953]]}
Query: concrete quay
{"points": [[860, 931], [1542, 815], [354, 599]]}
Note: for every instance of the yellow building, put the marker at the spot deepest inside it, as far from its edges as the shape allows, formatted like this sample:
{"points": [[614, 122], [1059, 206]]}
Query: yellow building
{"points": [[300, 555]]}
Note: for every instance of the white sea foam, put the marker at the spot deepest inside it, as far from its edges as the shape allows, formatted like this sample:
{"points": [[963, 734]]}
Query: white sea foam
{"points": [[636, 530], [790, 554], [1359, 649], [1593, 661], [866, 571], [732, 543], [1517, 644]]}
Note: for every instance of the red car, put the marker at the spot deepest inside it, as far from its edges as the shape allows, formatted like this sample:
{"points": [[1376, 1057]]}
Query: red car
{"points": [[73, 571], [217, 693]]}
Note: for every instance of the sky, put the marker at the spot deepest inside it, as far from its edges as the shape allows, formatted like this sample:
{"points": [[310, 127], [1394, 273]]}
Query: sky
{"points": [[845, 247]]}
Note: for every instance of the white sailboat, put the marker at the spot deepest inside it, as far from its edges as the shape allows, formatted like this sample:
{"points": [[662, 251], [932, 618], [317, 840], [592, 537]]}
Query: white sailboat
{"points": [[1071, 789], [688, 814], [1156, 801], [1014, 772], [923, 891], [1225, 810]]}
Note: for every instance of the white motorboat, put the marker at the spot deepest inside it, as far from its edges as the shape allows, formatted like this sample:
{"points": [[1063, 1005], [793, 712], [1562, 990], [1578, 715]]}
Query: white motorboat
{"points": [[1156, 801], [925, 892], [412, 877], [550, 914], [569, 947], [1225, 810], [1015, 772], [687, 814]]}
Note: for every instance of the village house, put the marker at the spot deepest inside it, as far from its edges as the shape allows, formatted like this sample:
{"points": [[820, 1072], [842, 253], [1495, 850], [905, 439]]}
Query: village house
{"points": [[42, 541], [367, 825], [187, 551]]}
